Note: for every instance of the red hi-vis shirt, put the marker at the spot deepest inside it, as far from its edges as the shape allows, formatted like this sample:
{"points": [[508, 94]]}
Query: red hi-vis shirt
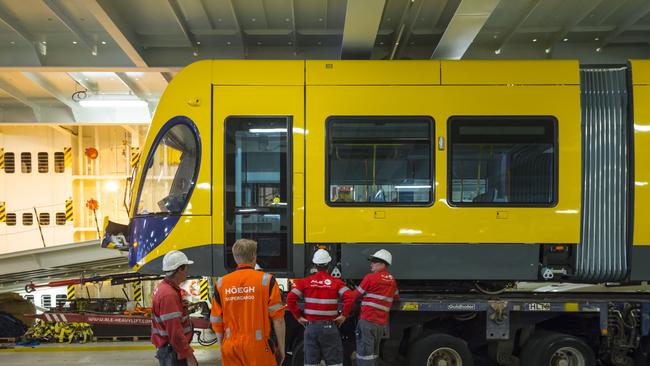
{"points": [[320, 293], [378, 291], [170, 322]]}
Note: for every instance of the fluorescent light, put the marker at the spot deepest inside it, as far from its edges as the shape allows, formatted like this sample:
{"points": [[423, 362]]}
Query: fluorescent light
{"points": [[267, 130], [105, 103], [247, 210], [412, 187]]}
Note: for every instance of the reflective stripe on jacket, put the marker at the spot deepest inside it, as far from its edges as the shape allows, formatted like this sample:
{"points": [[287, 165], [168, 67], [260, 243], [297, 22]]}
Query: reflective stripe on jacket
{"points": [[244, 302], [321, 293], [170, 322], [378, 291]]}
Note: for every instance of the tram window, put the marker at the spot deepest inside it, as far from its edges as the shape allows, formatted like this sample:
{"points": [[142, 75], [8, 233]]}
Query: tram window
{"points": [[59, 162], [374, 161], [170, 173], [10, 162], [44, 218], [26, 162], [502, 161], [11, 219], [43, 162], [46, 301], [28, 219]]}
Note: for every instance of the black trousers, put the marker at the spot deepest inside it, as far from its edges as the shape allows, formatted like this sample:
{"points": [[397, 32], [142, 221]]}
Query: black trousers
{"points": [[323, 342], [167, 357]]}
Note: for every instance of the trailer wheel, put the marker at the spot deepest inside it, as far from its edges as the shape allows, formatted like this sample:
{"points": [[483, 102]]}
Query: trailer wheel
{"points": [[556, 349], [440, 350]]}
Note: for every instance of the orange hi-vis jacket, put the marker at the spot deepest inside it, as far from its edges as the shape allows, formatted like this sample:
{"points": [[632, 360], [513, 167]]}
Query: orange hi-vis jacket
{"points": [[244, 303]]}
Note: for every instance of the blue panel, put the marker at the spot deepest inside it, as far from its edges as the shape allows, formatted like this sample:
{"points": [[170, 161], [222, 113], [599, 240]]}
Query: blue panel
{"points": [[148, 232]]}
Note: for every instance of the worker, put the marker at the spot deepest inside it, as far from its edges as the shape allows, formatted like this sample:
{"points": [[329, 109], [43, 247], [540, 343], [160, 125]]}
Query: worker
{"points": [[245, 304], [171, 330], [377, 291], [321, 317]]}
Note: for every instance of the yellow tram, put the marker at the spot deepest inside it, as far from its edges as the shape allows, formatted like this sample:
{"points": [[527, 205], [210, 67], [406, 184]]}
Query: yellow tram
{"points": [[464, 170]]}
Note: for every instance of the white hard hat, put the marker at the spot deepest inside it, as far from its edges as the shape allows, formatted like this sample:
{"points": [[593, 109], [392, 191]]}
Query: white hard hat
{"points": [[383, 255], [174, 259], [321, 256]]}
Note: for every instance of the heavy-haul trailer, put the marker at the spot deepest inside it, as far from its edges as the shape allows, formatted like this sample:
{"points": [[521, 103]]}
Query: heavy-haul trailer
{"points": [[513, 328]]}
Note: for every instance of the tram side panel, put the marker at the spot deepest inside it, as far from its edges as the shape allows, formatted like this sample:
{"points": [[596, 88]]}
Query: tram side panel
{"points": [[364, 190], [641, 156]]}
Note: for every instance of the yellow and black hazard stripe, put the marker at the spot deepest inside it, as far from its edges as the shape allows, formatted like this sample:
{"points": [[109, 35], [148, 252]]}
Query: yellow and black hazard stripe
{"points": [[203, 285], [135, 156], [2, 158], [67, 157], [3, 211], [68, 210], [71, 292], [137, 291]]}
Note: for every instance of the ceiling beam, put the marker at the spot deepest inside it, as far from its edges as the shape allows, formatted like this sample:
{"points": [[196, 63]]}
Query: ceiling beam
{"points": [[167, 76], [530, 9], [39, 48], [638, 14], [575, 20], [611, 11], [63, 16], [294, 28], [362, 19], [118, 29], [404, 32], [135, 88], [53, 91], [87, 69], [88, 84], [64, 131], [182, 23], [468, 20], [240, 30], [207, 15], [13, 92]]}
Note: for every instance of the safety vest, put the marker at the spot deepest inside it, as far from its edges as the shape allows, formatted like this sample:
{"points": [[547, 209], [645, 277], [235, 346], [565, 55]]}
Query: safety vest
{"points": [[244, 302]]}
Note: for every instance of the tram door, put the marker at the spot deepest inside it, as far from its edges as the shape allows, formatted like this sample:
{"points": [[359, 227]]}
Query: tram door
{"points": [[257, 187], [258, 164]]}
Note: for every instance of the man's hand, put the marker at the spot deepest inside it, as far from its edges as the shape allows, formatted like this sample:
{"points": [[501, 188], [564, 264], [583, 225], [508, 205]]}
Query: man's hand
{"points": [[191, 360], [339, 320], [303, 321]]}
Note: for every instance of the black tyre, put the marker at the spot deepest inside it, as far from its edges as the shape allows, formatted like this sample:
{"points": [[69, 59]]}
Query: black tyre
{"points": [[556, 349], [436, 348]]}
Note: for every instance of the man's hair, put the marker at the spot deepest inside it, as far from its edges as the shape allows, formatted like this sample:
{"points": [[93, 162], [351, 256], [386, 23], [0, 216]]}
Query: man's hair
{"points": [[171, 273], [244, 250]]}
